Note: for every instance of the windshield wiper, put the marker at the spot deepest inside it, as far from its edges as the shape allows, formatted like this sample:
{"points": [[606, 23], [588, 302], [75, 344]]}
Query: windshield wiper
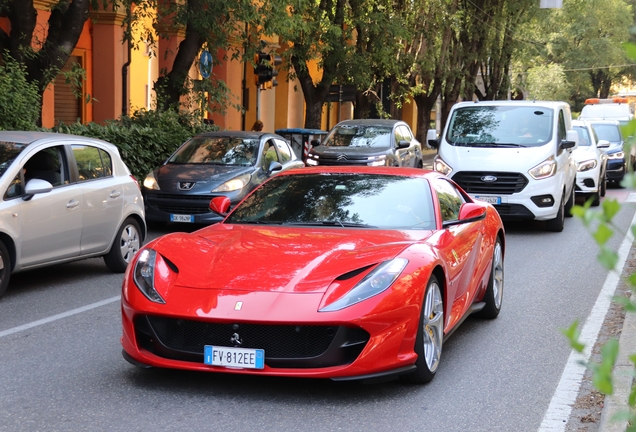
{"points": [[332, 223], [256, 222]]}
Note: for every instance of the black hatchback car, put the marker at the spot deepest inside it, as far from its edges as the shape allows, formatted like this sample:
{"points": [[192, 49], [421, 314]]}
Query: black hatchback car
{"points": [[368, 142], [209, 165]]}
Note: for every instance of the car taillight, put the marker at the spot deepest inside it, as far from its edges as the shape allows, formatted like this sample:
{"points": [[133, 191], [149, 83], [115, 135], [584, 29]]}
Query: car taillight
{"points": [[135, 180]]}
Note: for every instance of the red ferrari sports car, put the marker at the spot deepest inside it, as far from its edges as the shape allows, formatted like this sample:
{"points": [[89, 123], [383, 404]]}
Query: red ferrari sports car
{"points": [[327, 272]]}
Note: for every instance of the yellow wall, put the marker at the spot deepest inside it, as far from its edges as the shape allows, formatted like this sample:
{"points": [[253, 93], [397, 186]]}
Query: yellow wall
{"points": [[143, 72]]}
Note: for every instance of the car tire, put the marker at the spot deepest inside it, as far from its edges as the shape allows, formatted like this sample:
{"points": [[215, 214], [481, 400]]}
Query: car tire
{"points": [[430, 335], [570, 203], [5, 268], [494, 292], [603, 185], [127, 242], [556, 224]]}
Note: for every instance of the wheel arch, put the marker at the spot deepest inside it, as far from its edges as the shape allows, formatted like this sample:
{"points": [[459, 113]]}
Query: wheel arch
{"points": [[10, 245]]}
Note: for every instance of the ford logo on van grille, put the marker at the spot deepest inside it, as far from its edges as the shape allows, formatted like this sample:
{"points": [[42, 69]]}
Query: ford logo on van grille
{"points": [[489, 179]]}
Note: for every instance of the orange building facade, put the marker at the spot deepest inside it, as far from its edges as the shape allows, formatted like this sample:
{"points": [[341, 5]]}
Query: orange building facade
{"points": [[120, 80]]}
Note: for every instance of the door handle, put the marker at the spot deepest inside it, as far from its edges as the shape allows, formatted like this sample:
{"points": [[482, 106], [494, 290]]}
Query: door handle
{"points": [[115, 194], [72, 204]]}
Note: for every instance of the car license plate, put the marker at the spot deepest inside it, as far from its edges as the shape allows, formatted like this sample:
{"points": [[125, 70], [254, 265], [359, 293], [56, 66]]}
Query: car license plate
{"points": [[246, 358], [490, 199], [181, 218]]}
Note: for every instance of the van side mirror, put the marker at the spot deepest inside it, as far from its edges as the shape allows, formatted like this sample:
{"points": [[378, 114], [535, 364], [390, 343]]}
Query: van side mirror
{"points": [[603, 144], [431, 138], [571, 140]]}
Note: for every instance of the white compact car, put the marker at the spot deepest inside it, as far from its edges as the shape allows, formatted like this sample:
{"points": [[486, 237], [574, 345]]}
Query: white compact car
{"points": [[516, 155], [591, 163], [65, 198]]}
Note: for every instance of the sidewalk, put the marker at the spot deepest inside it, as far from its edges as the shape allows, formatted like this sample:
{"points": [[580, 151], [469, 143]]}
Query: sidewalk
{"points": [[618, 402]]}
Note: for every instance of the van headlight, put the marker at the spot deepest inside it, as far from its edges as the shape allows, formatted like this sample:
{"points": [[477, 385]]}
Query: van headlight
{"points": [[381, 278], [545, 169], [586, 165], [442, 167]]}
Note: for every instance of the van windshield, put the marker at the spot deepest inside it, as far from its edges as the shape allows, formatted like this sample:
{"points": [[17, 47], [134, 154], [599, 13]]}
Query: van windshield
{"points": [[500, 126]]}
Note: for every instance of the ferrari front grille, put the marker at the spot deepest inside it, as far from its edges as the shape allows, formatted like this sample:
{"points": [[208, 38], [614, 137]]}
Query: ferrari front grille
{"points": [[285, 345]]}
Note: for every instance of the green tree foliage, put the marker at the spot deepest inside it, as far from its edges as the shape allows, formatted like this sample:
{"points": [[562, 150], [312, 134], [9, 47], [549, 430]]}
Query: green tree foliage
{"points": [[548, 83], [585, 38], [215, 25], [19, 99], [351, 41]]}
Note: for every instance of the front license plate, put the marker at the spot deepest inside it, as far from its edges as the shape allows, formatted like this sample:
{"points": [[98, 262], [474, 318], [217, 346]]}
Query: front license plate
{"points": [[490, 199], [245, 358], [181, 218]]}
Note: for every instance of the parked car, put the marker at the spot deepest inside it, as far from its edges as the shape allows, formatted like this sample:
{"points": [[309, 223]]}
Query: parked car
{"points": [[517, 155], [591, 162], [368, 142], [610, 130], [325, 272], [213, 164], [65, 198]]}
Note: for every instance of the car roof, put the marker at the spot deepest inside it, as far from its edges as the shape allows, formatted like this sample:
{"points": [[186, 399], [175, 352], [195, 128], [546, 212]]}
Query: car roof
{"points": [[370, 122], [547, 104], [600, 121], [30, 137], [239, 134], [350, 169]]}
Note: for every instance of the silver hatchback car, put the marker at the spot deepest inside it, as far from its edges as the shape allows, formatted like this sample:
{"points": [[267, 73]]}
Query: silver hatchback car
{"points": [[65, 198]]}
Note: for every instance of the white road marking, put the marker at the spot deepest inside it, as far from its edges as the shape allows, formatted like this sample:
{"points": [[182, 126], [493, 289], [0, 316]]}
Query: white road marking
{"points": [[558, 413], [58, 316], [631, 198]]}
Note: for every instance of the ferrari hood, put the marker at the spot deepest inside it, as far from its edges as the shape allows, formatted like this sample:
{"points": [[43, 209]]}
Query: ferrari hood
{"points": [[277, 259]]}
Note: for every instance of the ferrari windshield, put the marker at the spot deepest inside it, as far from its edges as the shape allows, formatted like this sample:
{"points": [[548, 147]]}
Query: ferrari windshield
{"points": [[340, 200], [8, 152], [359, 136], [500, 126], [217, 151]]}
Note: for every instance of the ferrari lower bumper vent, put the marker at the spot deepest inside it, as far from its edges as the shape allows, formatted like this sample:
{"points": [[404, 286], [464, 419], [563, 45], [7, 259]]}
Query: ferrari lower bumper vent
{"points": [[286, 346]]}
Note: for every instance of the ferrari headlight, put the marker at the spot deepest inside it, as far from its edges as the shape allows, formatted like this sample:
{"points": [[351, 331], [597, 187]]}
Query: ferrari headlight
{"points": [[617, 155], [545, 169], [373, 284], [144, 275], [150, 182], [440, 166], [586, 165], [235, 184]]}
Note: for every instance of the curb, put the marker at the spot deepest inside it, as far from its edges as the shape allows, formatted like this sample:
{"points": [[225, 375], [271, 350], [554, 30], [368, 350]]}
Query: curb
{"points": [[618, 402]]}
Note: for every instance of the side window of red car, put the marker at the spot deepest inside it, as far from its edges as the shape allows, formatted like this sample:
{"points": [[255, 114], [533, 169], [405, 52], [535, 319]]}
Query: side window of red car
{"points": [[450, 200]]}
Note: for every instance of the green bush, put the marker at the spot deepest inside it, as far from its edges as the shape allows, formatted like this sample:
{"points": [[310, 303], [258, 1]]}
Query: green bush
{"points": [[19, 99], [144, 139]]}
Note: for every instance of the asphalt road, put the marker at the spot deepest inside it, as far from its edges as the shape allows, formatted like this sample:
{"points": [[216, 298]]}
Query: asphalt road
{"points": [[61, 366]]}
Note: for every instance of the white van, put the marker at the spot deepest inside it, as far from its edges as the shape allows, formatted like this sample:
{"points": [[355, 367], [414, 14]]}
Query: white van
{"points": [[607, 109], [516, 155]]}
